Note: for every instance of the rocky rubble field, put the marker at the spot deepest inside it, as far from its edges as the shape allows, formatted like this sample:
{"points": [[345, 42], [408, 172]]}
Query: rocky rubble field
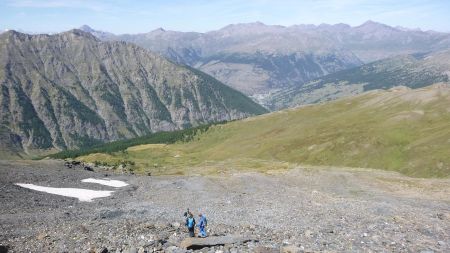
{"points": [[301, 210]]}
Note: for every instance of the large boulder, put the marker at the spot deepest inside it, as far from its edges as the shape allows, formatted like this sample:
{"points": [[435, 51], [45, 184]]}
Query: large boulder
{"points": [[198, 243]]}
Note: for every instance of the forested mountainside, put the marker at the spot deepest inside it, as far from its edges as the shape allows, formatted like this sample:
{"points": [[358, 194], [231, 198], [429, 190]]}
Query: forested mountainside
{"points": [[71, 90]]}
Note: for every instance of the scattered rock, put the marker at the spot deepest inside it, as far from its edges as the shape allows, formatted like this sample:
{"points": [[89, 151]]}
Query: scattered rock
{"points": [[102, 250], [291, 249], [131, 250], [147, 216], [74, 162], [42, 236], [198, 243], [441, 216], [161, 225], [173, 249], [176, 225], [308, 233], [83, 229], [88, 168], [110, 214], [262, 249]]}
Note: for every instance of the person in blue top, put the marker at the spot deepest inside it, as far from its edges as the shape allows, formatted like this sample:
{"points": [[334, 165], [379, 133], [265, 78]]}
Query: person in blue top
{"points": [[202, 225], [190, 224]]}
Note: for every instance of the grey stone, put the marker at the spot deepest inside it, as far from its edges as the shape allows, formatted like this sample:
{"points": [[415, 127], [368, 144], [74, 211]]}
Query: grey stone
{"points": [[198, 243], [291, 249], [131, 250], [102, 250]]}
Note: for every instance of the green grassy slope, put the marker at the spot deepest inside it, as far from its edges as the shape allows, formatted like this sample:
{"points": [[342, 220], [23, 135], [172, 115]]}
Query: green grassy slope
{"points": [[401, 130]]}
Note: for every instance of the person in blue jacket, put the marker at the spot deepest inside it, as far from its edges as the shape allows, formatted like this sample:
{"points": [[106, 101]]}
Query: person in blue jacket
{"points": [[190, 224], [202, 225]]}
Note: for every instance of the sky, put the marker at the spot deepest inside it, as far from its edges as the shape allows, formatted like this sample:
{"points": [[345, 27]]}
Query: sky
{"points": [[122, 16]]}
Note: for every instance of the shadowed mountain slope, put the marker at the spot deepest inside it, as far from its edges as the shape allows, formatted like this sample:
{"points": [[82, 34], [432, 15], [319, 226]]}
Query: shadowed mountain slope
{"points": [[71, 90]]}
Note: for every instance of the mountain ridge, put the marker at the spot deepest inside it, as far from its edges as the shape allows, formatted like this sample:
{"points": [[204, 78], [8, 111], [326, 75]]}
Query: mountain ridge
{"points": [[251, 57], [71, 90]]}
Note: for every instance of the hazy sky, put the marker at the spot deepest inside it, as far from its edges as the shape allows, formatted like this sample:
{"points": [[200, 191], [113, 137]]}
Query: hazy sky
{"points": [[121, 16]]}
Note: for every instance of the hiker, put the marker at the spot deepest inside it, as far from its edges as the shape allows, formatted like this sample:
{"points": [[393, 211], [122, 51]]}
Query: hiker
{"points": [[202, 225], [190, 224], [186, 214]]}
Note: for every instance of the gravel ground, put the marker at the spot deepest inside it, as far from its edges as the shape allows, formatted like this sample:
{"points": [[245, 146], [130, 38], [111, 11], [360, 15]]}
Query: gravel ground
{"points": [[320, 209]]}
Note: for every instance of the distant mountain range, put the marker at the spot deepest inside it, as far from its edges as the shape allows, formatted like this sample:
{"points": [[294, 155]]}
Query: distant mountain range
{"points": [[259, 59], [71, 90], [83, 87], [413, 71]]}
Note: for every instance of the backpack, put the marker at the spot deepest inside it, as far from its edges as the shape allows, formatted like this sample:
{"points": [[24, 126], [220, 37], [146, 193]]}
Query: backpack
{"points": [[190, 222]]}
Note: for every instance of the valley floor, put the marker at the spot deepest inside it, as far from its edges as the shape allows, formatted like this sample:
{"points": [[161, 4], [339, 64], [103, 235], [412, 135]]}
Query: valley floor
{"points": [[315, 209]]}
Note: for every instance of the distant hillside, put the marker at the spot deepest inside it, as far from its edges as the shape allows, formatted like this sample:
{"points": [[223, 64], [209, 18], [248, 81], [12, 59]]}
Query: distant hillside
{"points": [[398, 129], [413, 71], [259, 59], [71, 90]]}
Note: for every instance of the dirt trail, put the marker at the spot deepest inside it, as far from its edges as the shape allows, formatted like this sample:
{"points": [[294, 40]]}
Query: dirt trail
{"points": [[313, 209]]}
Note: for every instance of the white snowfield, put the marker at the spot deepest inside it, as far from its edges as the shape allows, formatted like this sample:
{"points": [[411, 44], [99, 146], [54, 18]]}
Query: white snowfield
{"points": [[81, 194], [106, 181]]}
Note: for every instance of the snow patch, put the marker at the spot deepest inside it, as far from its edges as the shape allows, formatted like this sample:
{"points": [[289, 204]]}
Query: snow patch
{"points": [[80, 194], [106, 181]]}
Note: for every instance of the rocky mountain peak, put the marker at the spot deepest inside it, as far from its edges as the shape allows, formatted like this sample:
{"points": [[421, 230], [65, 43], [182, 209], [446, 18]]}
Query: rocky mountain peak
{"points": [[13, 35], [248, 28], [86, 28], [372, 26], [97, 33], [244, 25], [79, 34], [158, 30], [371, 23]]}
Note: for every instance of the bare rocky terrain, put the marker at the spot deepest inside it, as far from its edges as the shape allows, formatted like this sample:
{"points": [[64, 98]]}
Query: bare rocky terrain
{"points": [[300, 210]]}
